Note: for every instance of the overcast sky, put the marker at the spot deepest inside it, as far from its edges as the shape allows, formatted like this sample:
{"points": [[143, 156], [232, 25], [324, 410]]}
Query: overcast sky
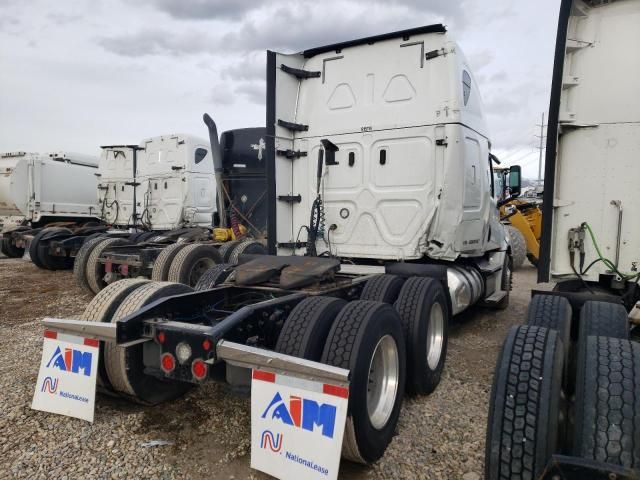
{"points": [[77, 74]]}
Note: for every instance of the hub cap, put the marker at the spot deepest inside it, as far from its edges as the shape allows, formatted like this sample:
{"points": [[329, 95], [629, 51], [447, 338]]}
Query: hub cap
{"points": [[435, 336], [382, 384]]}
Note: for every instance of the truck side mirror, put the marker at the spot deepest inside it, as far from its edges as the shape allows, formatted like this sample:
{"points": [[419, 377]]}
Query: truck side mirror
{"points": [[515, 180]]}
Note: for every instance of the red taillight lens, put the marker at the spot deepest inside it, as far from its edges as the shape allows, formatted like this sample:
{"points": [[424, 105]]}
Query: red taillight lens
{"points": [[161, 337], [206, 344], [199, 369], [167, 363]]}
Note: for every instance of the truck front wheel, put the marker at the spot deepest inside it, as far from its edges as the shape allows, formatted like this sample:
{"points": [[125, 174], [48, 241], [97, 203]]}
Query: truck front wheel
{"points": [[366, 338]]}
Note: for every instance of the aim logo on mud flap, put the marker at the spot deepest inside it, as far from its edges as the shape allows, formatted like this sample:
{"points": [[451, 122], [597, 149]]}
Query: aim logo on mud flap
{"points": [[71, 360], [302, 413]]}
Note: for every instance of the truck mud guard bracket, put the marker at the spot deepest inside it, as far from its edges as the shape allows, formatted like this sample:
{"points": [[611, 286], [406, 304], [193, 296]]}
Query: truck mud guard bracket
{"points": [[294, 127], [299, 73]]}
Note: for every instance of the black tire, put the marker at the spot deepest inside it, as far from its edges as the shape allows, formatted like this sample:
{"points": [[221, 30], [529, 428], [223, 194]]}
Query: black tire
{"points": [[101, 309], [226, 248], [53, 262], [214, 276], [125, 366], [356, 332], [602, 319], [9, 249], [518, 246], [246, 247], [525, 406], [192, 262], [554, 312], [34, 250], [423, 308], [162, 265], [382, 288], [95, 270], [607, 413], [80, 262], [305, 330], [506, 282]]}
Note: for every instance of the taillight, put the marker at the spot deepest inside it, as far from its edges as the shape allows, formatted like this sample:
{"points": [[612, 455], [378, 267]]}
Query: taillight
{"points": [[161, 337], [167, 363], [199, 369], [206, 344]]}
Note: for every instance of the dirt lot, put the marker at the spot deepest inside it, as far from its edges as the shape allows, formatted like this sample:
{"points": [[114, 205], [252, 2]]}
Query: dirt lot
{"points": [[440, 436]]}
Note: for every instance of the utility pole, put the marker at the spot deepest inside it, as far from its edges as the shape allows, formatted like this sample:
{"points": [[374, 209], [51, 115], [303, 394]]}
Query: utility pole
{"points": [[542, 137]]}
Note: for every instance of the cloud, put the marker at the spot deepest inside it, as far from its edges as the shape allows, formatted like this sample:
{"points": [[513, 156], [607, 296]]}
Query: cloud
{"points": [[249, 67], [207, 9], [222, 95], [255, 92], [156, 42]]}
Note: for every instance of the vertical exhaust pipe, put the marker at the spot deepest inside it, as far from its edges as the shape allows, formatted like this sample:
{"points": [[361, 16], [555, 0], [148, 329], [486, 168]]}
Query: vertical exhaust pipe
{"points": [[216, 154]]}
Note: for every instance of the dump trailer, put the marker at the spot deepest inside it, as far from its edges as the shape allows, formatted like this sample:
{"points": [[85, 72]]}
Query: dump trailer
{"points": [[40, 190], [382, 225], [565, 400], [173, 203]]}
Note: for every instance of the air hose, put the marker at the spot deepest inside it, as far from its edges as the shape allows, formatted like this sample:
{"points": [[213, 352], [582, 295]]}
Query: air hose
{"points": [[606, 261]]}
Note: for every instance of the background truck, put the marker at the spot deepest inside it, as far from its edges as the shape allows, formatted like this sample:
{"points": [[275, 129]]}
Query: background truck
{"points": [[565, 401], [39, 190], [382, 225], [166, 190]]}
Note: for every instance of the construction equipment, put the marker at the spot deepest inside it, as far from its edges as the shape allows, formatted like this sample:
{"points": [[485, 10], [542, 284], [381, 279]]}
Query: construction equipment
{"points": [[381, 227], [523, 216], [565, 395]]}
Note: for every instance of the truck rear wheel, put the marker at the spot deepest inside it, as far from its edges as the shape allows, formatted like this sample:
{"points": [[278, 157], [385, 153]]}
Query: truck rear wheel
{"points": [[214, 276], [95, 270], [80, 262], [161, 266], [554, 312], [366, 338], [424, 311], [101, 309], [525, 406], [518, 246], [192, 262], [602, 319], [125, 366], [305, 330], [607, 413], [9, 249], [226, 248], [53, 262], [34, 250], [252, 247], [382, 288]]}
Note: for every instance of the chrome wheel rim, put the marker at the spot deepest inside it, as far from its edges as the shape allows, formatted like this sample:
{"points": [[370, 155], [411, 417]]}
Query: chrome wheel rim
{"points": [[435, 335], [382, 383]]}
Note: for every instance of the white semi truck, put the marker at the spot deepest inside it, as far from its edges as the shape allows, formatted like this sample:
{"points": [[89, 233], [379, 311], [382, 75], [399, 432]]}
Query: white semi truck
{"points": [[165, 189], [566, 391], [382, 225], [37, 190]]}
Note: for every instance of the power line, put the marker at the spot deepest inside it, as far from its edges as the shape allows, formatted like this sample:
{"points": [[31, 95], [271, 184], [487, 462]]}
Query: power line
{"points": [[542, 137]]}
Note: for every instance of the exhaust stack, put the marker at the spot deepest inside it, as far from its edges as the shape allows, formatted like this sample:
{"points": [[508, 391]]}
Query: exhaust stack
{"points": [[216, 154]]}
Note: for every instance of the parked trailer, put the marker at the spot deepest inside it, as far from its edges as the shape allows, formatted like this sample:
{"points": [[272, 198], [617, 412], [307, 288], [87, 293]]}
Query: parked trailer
{"points": [[384, 228], [177, 202], [40, 190], [565, 400]]}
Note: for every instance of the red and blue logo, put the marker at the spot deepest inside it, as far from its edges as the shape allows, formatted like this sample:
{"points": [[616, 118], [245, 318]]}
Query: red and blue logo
{"points": [[302, 413], [71, 360], [49, 385], [271, 441]]}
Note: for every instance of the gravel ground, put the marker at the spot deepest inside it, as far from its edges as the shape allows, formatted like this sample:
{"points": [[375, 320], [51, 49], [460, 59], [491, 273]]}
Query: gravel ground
{"points": [[440, 437]]}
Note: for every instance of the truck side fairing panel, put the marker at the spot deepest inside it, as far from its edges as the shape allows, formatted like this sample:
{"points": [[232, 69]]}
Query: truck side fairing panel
{"points": [[592, 166], [406, 115]]}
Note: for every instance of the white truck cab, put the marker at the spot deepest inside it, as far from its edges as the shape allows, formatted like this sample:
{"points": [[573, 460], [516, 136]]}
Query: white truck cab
{"points": [[405, 115], [169, 178]]}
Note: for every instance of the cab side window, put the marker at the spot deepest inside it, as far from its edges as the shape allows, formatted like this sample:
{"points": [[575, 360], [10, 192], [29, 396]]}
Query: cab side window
{"points": [[200, 154]]}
